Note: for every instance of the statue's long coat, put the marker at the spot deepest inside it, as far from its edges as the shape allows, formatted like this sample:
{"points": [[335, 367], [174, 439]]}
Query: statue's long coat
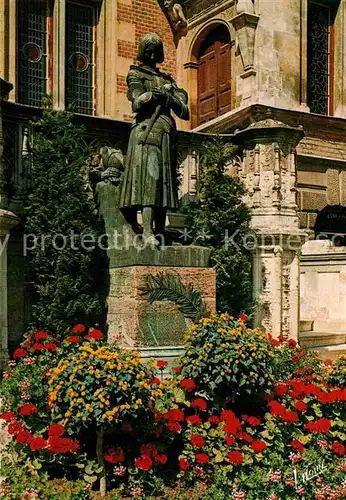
{"points": [[150, 177]]}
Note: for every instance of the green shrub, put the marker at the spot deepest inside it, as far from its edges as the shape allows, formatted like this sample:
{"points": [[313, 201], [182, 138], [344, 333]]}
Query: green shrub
{"points": [[65, 282], [226, 359], [213, 218], [337, 372]]}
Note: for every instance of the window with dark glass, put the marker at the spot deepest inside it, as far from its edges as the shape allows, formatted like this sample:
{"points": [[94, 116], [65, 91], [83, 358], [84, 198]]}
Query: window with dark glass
{"points": [[80, 27], [320, 58], [32, 51]]}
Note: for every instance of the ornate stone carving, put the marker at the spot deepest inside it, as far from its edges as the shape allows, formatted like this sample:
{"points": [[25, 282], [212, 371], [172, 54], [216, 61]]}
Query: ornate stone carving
{"points": [[176, 14], [245, 24]]}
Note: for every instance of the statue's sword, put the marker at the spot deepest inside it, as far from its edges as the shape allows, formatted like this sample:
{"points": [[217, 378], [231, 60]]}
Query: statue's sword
{"points": [[154, 117]]}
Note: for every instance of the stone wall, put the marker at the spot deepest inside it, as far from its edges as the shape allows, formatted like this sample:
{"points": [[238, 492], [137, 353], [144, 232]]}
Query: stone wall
{"points": [[323, 286]]}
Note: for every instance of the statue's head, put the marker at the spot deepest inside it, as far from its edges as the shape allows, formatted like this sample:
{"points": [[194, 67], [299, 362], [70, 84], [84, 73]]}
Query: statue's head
{"points": [[150, 50]]}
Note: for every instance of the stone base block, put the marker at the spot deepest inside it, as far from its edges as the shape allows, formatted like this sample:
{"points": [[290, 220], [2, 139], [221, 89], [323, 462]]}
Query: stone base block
{"points": [[133, 322]]}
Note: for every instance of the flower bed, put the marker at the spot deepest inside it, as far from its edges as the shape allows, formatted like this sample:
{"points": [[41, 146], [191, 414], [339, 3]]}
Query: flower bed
{"points": [[243, 416]]}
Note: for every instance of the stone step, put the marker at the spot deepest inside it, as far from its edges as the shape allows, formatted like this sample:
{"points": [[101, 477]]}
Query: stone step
{"points": [[330, 352], [306, 325], [313, 339]]}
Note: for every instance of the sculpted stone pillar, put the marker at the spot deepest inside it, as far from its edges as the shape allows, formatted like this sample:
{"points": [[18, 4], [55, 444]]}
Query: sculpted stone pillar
{"points": [[270, 175], [8, 220]]}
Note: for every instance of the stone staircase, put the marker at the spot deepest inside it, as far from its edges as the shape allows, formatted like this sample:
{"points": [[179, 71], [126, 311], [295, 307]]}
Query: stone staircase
{"points": [[328, 345]]}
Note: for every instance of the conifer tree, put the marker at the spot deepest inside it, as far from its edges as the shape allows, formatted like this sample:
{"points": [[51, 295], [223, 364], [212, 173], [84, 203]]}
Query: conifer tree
{"points": [[65, 282], [213, 217]]}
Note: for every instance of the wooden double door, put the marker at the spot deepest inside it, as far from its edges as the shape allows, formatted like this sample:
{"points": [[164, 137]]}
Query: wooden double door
{"points": [[214, 76]]}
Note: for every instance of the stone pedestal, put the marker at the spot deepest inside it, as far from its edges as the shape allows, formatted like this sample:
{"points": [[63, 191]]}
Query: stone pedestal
{"points": [[132, 321], [7, 221], [269, 172]]}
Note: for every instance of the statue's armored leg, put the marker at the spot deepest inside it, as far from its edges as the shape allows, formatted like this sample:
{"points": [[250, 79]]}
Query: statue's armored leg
{"points": [[148, 222]]}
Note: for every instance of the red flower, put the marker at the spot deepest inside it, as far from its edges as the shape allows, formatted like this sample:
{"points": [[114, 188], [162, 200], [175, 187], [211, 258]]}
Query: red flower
{"points": [[173, 426], [177, 369], [254, 421], [78, 328], [28, 409], [214, 420], [324, 425], [37, 346], [161, 363], [19, 353], [114, 455], [8, 416], [230, 440], [200, 404], [202, 458], [144, 462], [232, 425], [15, 427], [174, 415], [297, 445], [281, 389], [161, 459], [56, 430], [235, 457], [276, 408], [23, 437], [258, 446], [338, 448], [62, 445], [311, 426], [197, 440], [37, 443], [274, 342], [94, 334], [41, 335], [50, 346], [300, 406], [155, 381], [194, 420], [188, 384], [183, 464], [246, 437], [73, 339], [243, 317], [290, 416], [281, 338], [292, 343]]}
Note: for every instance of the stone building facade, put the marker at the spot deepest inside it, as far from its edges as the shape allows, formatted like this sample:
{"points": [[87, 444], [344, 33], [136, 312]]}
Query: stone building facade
{"points": [[269, 75]]}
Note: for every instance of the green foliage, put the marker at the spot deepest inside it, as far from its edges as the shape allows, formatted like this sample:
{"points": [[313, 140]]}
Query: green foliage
{"points": [[65, 269], [337, 372], [97, 386], [214, 218], [226, 359], [168, 286]]}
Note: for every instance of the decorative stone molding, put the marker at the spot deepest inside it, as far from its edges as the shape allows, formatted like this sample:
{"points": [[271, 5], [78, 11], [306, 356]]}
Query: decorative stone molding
{"points": [[5, 88], [269, 172], [7, 221], [245, 24]]}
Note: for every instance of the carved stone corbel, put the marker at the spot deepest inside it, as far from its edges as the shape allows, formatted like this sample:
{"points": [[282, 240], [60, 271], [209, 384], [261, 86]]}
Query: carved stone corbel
{"points": [[245, 24]]}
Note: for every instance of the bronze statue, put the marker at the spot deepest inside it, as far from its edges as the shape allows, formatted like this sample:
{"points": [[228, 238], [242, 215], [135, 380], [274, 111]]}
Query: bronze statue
{"points": [[150, 178]]}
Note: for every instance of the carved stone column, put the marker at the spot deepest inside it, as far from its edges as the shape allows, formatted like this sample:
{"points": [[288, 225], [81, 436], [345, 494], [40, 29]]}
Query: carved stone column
{"points": [[8, 220], [270, 175], [5, 88]]}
